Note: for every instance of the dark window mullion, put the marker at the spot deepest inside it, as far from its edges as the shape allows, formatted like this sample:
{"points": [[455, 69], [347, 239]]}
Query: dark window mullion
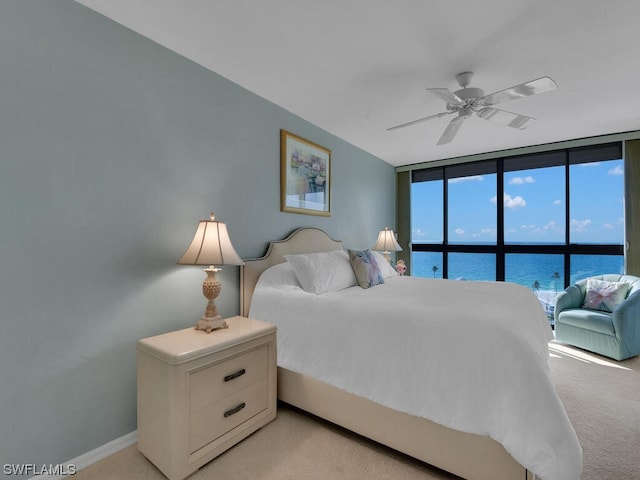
{"points": [[596, 249], [545, 249], [445, 227], [567, 221], [470, 248], [500, 259]]}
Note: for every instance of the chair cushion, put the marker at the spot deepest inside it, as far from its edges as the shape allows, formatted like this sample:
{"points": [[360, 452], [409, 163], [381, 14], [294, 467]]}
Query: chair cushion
{"points": [[594, 320]]}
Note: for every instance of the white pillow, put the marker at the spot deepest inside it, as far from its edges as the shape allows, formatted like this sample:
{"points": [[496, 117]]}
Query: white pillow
{"points": [[384, 266], [323, 272], [281, 274]]}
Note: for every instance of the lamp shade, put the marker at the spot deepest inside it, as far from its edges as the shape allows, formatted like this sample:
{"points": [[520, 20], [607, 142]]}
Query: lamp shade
{"points": [[211, 246], [387, 242]]}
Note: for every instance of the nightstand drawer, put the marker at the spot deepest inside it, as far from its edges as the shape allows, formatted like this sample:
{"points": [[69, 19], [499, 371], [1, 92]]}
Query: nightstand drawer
{"points": [[215, 420], [223, 379]]}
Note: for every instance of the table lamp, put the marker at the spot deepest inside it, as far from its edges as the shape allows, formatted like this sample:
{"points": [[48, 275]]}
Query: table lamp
{"points": [[387, 243], [211, 246]]}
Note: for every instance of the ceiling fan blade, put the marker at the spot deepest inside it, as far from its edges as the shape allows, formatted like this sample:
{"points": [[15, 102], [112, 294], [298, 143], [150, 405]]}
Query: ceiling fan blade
{"points": [[420, 120], [451, 130], [448, 96], [534, 87], [510, 119]]}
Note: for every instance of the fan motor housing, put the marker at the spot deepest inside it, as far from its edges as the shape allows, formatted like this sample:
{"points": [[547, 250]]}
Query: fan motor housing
{"points": [[470, 93]]}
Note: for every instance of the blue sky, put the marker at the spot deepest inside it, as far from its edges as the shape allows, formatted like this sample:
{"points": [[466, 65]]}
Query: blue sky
{"points": [[534, 206]]}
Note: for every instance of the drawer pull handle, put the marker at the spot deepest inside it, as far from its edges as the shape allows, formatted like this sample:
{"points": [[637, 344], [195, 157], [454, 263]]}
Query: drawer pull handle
{"points": [[237, 374], [235, 410]]}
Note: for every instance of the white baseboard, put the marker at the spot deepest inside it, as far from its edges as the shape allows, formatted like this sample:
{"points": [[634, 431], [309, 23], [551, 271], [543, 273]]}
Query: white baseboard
{"points": [[95, 455]]}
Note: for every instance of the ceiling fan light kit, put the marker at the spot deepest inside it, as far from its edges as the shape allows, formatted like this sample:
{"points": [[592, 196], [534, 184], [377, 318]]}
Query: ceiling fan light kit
{"points": [[469, 100]]}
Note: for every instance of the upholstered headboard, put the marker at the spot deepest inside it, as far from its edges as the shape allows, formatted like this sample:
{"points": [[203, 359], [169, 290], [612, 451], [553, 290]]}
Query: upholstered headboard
{"points": [[303, 240]]}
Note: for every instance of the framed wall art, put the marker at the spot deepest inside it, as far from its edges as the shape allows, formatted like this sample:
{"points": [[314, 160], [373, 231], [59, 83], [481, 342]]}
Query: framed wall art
{"points": [[305, 176]]}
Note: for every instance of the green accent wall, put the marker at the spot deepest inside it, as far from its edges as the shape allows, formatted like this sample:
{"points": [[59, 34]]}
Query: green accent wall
{"points": [[403, 205], [632, 206], [111, 149]]}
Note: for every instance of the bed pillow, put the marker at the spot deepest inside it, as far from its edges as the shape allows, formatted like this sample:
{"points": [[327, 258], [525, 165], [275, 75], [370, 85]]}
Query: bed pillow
{"points": [[604, 296], [366, 268], [322, 272], [278, 275], [385, 267]]}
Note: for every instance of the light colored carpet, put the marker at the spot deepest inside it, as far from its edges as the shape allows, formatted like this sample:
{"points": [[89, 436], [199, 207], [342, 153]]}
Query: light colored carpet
{"points": [[602, 399], [601, 396]]}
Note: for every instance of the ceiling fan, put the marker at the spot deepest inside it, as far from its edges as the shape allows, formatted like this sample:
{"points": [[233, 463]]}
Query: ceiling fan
{"points": [[468, 100]]}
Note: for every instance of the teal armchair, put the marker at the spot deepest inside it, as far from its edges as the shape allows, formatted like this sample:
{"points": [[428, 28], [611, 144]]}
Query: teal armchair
{"points": [[615, 335]]}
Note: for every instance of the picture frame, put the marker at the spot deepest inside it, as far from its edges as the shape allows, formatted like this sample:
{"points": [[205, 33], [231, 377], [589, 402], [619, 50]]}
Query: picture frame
{"points": [[305, 176]]}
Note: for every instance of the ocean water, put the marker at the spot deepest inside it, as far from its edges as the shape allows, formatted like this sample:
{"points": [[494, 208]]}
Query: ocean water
{"points": [[545, 272]]}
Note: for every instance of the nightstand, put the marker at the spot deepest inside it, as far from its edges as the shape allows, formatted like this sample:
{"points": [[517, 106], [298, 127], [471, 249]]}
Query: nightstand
{"points": [[199, 394]]}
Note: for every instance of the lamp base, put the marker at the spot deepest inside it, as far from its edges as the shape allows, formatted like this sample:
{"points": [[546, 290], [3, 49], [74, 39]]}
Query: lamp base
{"points": [[209, 324]]}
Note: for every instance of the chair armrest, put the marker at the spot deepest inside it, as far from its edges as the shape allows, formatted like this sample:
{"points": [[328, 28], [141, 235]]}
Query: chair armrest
{"points": [[626, 318], [571, 297]]}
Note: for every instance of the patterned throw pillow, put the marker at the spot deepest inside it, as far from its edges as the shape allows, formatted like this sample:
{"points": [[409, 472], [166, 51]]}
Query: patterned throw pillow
{"points": [[604, 296], [364, 265]]}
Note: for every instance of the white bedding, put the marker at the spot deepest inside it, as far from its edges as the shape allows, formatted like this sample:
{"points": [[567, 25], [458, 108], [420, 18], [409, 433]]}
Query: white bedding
{"points": [[472, 356]]}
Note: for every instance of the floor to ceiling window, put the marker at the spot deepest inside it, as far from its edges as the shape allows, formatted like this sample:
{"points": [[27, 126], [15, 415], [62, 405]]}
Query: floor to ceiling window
{"points": [[540, 220]]}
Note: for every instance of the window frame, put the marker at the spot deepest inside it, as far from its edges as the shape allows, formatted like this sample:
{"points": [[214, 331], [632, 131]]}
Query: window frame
{"points": [[562, 157]]}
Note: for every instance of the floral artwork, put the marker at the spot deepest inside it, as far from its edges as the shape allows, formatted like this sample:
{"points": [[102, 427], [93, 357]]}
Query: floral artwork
{"points": [[305, 176], [401, 267]]}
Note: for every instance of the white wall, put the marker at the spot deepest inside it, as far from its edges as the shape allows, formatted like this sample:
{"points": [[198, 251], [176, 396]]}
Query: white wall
{"points": [[111, 149]]}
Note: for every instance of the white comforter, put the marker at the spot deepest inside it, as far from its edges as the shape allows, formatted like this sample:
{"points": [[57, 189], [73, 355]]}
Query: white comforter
{"points": [[472, 356]]}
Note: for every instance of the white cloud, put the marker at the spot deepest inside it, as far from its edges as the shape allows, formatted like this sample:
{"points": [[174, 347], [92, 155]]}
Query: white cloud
{"points": [[459, 231], [521, 180], [557, 202], [513, 202], [418, 232], [590, 164], [618, 170], [472, 178], [580, 225], [608, 226], [551, 225]]}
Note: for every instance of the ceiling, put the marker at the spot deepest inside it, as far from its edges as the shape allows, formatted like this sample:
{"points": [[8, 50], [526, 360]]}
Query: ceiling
{"points": [[358, 67]]}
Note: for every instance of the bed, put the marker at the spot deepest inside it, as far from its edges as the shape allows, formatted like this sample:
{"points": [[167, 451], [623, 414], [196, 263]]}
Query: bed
{"points": [[430, 420]]}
